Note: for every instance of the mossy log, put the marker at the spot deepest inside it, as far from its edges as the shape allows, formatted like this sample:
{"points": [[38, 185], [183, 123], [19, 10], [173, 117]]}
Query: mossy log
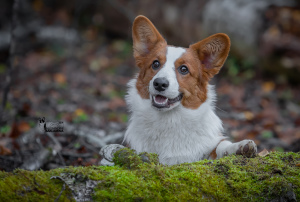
{"points": [[140, 177]]}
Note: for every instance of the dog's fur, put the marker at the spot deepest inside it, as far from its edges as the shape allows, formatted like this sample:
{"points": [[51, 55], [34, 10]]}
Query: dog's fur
{"points": [[179, 122]]}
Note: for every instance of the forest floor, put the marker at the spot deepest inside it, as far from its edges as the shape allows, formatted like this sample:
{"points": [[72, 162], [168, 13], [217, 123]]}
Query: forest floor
{"points": [[85, 87]]}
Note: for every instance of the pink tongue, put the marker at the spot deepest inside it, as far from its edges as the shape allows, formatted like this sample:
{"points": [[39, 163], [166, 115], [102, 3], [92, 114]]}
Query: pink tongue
{"points": [[160, 98]]}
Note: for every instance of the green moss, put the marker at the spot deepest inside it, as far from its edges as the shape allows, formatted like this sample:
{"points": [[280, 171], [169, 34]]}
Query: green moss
{"points": [[128, 158], [140, 177], [24, 185]]}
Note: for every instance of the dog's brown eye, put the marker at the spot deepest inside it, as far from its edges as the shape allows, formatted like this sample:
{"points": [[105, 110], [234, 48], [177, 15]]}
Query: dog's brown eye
{"points": [[183, 69], [155, 64]]}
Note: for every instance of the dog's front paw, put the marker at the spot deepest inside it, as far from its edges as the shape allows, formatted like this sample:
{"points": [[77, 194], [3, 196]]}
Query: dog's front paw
{"points": [[247, 148], [107, 152]]}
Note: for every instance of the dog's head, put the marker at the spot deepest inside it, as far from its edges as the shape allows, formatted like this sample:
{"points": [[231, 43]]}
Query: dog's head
{"points": [[170, 76]]}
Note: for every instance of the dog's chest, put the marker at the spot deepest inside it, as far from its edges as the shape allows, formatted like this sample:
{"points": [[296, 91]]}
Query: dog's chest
{"points": [[176, 138]]}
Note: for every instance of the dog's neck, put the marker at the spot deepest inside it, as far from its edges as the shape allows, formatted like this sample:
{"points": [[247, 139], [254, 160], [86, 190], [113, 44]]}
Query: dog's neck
{"points": [[177, 132]]}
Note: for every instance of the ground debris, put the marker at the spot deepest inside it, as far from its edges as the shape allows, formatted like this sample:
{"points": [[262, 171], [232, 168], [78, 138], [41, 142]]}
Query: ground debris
{"points": [[263, 153], [81, 187]]}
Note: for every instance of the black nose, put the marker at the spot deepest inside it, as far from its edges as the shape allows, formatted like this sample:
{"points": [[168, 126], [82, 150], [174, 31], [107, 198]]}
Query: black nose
{"points": [[161, 84]]}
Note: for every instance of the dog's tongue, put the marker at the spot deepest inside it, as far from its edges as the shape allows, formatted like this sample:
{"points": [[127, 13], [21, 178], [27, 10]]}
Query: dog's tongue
{"points": [[160, 99]]}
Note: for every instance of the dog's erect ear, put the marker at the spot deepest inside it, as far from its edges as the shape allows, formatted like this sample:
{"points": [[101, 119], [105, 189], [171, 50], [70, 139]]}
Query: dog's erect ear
{"points": [[212, 53], [145, 36]]}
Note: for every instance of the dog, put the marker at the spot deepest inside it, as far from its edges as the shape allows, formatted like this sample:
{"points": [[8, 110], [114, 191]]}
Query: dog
{"points": [[171, 102]]}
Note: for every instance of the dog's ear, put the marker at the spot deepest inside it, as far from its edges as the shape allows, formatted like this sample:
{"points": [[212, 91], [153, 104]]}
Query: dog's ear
{"points": [[145, 36], [212, 53]]}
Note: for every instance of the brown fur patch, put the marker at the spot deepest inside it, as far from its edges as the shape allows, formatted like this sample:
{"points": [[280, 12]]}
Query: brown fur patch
{"points": [[203, 59], [148, 45], [213, 154], [192, 85], [146, 72]]}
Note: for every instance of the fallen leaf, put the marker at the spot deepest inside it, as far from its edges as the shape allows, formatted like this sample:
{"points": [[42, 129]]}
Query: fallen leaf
{"points": [[268, 86], [37, 5], [23, 127], [15, 132], [4, 150], [249, 115], [91, 162], [79, 112], [263, 153], [25, 109], [60, 78], [94, 65]]}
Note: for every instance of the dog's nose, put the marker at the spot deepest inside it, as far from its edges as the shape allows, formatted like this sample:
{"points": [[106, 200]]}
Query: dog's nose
{"points": [[161, 84]]}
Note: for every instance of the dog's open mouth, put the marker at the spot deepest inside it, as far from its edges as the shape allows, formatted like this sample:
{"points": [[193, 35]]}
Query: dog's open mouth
{"points": [[160, 101]]}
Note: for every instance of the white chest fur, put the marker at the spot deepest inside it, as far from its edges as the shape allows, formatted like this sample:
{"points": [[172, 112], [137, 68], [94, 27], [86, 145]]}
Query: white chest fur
{"points": [[177, 136]]}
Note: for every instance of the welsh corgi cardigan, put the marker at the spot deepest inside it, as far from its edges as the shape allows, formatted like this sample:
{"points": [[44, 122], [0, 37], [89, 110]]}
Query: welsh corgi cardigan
{"points": [[171, 102]]}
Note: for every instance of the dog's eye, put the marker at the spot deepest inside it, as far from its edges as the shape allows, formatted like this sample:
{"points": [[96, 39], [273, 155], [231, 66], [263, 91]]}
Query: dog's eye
{"points": [[183, 69], [155, 64]]}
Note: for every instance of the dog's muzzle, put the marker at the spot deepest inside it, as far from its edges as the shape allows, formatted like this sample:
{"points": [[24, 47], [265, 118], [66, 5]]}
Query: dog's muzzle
{"points": [[160, 101]]}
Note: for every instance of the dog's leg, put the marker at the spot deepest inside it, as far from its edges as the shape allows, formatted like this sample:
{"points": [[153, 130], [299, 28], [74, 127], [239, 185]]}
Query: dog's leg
{"points": [[246, 148]]}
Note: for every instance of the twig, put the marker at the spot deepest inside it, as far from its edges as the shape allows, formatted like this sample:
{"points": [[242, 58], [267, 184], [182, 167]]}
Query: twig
{"points": [[37, 160], [57, 147], [12, 48], [92, 136], [62, 190], [88, 145], [77, 155]]}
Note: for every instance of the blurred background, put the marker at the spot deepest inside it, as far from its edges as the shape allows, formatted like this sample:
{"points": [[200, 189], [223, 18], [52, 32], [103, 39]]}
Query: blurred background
{"points": [[70, 61]]}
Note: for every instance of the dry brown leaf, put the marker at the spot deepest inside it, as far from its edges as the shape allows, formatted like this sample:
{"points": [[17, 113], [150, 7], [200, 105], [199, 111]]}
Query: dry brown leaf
{"points": [[4, 150], [268, 86], [23, 127], [249, 115], [79, 112], [14, 132], [37, 5], [263, 153], [60, 78]]}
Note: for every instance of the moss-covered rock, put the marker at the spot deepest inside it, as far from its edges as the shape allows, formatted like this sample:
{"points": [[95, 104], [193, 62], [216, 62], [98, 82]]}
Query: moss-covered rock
{"points": [[136, 177]]}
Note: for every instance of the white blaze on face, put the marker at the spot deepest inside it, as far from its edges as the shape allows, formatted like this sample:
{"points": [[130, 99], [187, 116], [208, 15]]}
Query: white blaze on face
{"points": [[168, 72]]}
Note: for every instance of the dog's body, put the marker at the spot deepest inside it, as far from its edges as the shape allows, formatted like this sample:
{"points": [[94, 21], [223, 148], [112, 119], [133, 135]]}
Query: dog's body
{"points": [[171, 102]]}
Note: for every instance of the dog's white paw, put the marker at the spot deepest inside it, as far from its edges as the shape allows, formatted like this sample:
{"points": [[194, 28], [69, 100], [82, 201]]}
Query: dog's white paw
{"points": [[247, 148], [107, 152]]}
